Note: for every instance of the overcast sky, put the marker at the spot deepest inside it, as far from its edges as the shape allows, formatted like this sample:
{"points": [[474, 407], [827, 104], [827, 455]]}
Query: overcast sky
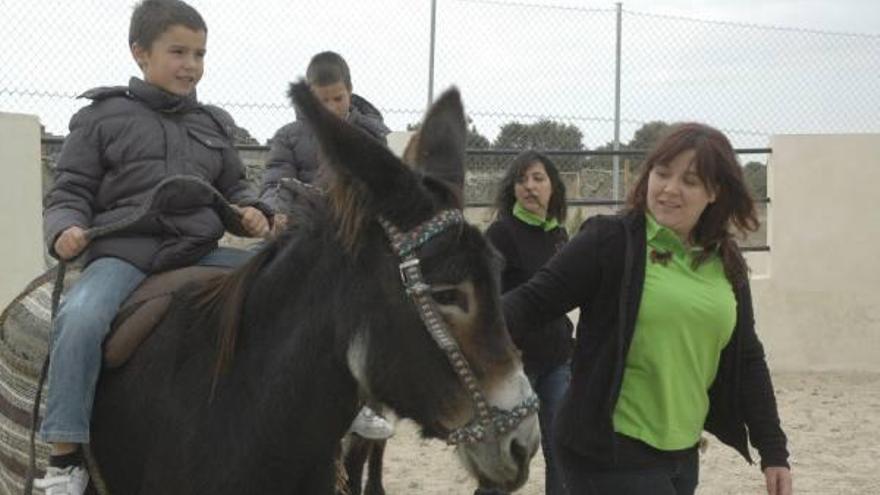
{"points": [[760, 67], [860, 16]]}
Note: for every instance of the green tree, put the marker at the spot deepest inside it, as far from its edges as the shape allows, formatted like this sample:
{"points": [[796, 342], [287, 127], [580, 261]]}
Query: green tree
{"points": [[542, 135], [645, 136], [600, 183], [643, 139]]}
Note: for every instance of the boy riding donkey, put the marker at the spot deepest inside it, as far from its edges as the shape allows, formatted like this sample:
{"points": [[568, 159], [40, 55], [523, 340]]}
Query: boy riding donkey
{"points": [[120, 148]]}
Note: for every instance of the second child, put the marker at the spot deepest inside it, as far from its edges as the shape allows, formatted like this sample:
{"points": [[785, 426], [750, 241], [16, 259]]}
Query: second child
{"points": [[294, 148]]}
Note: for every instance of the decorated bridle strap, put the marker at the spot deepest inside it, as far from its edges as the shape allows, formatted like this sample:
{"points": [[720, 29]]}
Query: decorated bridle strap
{"points": [[502, 421], [405, 243], [488, 419]]}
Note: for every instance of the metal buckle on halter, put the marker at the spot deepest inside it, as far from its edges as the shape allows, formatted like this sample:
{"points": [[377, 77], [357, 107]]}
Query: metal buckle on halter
{"points": [[410, 275]]}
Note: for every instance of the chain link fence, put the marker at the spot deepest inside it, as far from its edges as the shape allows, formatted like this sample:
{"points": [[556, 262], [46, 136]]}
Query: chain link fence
{"points": [[518, 65], [540, 76]]}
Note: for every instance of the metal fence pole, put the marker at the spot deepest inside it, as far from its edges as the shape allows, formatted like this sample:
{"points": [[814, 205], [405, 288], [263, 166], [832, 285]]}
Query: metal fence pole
{"points": [[431, 55], [616, 160]]}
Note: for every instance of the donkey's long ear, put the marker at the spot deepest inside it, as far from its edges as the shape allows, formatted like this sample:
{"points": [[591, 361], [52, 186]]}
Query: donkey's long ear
{"points": [[442, 139], [351, 152]]}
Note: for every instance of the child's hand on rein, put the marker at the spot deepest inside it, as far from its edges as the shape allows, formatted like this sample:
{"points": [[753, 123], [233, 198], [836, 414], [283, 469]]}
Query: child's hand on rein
{"points": [[71, 243], [254, 222]]}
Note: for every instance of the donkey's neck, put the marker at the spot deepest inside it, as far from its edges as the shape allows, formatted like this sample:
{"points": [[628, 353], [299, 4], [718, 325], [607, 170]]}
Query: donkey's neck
{"points": [[289, 371]]}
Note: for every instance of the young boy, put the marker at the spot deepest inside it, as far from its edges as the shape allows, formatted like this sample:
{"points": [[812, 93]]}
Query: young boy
{"points": [[119, 148], [294, 152]]}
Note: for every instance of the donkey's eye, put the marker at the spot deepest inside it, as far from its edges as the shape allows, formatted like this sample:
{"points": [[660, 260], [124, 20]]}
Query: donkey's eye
{"points": [[445, 296], [450, 297]]}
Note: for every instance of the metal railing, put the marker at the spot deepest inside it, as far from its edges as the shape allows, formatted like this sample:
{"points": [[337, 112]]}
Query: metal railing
{"points": [[508, 152]]}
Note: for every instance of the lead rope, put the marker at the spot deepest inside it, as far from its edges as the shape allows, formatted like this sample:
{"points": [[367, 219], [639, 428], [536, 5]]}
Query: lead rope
{"points": [[92, 234]]}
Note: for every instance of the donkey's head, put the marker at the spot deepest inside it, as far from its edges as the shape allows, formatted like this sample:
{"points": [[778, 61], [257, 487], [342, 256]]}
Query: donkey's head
{"points": [[429, 341]]}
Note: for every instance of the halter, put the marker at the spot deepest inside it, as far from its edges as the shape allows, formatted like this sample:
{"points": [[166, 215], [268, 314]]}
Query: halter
{"points": [[490, 421]]}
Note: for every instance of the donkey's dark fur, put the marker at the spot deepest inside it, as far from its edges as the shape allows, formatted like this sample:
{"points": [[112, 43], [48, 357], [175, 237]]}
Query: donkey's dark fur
{"points": [[245, 387], [360, 451]]}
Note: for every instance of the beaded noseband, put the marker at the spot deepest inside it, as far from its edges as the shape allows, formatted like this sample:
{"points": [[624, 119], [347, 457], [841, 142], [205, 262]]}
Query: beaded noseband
{"points": [[490, 421]]}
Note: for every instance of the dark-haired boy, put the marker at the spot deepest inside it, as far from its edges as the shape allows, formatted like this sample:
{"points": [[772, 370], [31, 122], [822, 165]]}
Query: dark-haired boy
{"points": [[294, 148], [120, 147], [294, 154]]}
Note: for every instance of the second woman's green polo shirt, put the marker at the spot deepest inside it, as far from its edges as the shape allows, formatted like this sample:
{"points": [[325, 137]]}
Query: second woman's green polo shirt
{"points": [[685, 319]]}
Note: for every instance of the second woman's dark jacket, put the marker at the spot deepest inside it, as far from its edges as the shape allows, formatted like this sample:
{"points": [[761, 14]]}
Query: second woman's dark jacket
{"points": [[119, 149], [602, 271], [525, 249]]}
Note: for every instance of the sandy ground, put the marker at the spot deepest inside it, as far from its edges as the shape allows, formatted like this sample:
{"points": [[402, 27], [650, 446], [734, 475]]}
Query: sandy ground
{"points": [[832, 421]]}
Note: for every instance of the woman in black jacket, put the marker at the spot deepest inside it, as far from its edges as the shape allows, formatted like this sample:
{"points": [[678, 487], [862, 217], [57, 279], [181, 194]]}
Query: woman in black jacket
{"points": [[528, 232], [666, 344]]}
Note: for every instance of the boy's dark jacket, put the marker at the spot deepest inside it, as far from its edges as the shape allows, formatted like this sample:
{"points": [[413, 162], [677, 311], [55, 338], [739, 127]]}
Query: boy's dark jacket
{"points": [[525, 249], [119, 148], [602, 270], [294, 149]]}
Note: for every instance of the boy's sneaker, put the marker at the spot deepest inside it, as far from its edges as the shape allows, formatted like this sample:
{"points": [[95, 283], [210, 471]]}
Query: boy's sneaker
{"points": [[71, 480], [370, 425]]}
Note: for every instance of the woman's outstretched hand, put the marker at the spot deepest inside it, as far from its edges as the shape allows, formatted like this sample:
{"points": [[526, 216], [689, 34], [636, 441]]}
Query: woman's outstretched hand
{"points": [[778, 480]]}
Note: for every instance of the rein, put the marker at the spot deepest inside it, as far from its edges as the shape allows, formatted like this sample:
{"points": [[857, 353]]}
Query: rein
{"points": [[60, 270], [489, 421]]}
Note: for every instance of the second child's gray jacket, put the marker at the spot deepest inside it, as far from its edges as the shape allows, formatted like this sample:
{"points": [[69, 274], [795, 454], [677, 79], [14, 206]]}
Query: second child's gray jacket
{"points": [[119, 148], [294, 150]]}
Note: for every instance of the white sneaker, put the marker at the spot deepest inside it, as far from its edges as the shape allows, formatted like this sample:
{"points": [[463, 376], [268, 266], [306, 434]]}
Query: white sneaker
{"points": [[370, 425], [71, 480]]}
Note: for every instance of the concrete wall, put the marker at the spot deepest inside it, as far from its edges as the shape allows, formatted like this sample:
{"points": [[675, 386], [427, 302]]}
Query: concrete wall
{"points": [[21, 250], [818, 302]]}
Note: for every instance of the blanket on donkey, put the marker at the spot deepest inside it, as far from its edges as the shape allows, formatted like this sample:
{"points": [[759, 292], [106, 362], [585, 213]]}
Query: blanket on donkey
{"points": [[24, 336]]}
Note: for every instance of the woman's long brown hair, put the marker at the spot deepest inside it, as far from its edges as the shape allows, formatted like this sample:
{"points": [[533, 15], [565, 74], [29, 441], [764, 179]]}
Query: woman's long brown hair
{"points": [[717, 166]]}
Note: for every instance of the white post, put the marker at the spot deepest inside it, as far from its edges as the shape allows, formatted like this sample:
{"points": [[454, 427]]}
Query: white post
{"points": [[431, 52], [21, 210], [615, 169]]}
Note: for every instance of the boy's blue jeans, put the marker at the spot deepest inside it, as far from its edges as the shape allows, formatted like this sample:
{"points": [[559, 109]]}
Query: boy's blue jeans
{"points": [[83, 320]]}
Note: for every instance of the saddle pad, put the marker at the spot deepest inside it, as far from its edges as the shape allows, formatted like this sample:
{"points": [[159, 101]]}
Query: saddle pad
{"points": [[145, 308]]}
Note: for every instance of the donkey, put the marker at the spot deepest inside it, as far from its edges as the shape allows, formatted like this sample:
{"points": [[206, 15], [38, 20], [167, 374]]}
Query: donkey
{"points": [[356, 450], [377, 291]]}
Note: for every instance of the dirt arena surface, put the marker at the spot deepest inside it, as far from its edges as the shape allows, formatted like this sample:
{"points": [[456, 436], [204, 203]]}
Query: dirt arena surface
{"points": [[832, 421]]}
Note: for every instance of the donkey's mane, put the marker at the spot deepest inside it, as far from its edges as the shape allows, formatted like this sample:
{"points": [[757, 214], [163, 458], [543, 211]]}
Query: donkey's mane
{"points": [[350, 209], [220, 300]]}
